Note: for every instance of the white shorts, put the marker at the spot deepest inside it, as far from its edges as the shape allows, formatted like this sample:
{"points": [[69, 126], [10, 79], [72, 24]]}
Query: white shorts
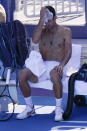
{"points": [[49, 66], [39, 67]]}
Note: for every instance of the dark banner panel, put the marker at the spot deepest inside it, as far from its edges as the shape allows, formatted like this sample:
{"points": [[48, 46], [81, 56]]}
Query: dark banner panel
{"points": [[78, 32]]}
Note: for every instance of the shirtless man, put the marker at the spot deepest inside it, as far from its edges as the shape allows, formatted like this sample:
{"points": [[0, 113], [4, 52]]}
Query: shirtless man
{"points": [[54, 45]]}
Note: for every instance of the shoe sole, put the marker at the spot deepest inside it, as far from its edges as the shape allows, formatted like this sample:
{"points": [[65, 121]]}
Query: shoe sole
{"points": [[32, 114], [58, 120]]}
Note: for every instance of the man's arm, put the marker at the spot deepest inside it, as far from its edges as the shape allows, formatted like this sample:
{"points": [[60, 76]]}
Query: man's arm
{"points": [[38, 30], [68, 51], [68, 46]]}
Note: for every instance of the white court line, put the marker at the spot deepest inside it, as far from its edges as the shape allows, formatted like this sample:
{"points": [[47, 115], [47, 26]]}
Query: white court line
{"points": [[85, 122], [69, 128]]}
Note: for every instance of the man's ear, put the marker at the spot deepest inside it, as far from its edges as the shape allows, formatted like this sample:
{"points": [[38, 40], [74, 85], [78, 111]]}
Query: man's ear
{"points": [[55, 17]]}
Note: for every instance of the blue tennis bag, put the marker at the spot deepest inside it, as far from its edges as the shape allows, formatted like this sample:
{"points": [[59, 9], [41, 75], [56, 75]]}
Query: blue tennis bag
{"points": [[13, 44]]}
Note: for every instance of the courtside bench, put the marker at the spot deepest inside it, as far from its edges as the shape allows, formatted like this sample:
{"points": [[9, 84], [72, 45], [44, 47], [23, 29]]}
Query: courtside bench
{"points": [[45, 88]]}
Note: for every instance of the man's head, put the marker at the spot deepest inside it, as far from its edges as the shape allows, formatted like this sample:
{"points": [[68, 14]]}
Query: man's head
{"points": [[52, 10], [51, 22]]}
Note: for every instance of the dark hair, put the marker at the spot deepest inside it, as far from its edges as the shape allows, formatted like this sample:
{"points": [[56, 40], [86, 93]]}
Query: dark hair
{"points": [[51, 9]]}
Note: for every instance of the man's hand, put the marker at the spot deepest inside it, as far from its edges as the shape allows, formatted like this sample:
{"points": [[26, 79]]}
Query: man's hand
{"points": [[37, 32], [59, 69], [42, 12]]}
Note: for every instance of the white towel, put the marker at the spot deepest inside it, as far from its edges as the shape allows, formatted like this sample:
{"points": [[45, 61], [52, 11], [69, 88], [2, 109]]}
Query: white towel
{"points": [[48, 16], [35, 63], [74, 63]]}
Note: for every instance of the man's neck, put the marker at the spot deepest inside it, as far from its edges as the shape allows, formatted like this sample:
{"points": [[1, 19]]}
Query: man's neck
{"points": [[53, 28]]}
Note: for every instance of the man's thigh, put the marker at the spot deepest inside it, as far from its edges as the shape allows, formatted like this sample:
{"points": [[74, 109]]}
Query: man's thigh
{"points": [[26, 74]]}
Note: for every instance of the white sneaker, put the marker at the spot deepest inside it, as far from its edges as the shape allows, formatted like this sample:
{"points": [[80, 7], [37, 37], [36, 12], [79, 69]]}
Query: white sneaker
{"points": [[26, 113], [58, 114]]}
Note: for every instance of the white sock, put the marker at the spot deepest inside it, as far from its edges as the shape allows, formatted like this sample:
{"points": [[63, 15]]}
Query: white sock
{"points": [[59, 102], [28, 101]]}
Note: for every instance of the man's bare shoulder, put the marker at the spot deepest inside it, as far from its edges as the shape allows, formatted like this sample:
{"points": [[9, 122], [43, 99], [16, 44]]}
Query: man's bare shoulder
{"points": [[67, 30], [63, 28], [67, 34]]}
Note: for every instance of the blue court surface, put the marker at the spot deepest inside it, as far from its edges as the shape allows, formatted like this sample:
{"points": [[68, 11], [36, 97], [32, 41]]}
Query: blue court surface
{"points": [[44, 118]]}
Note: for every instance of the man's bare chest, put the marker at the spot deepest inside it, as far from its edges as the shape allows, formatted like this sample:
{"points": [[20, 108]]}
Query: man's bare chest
{"points": [[52, 41]]}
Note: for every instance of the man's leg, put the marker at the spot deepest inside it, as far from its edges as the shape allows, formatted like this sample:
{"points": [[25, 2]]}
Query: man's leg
{"points": [[23, 76], [57, 87]]}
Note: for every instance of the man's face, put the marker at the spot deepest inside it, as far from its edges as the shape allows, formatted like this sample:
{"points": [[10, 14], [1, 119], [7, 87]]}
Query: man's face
{"points": [[50, 24]]}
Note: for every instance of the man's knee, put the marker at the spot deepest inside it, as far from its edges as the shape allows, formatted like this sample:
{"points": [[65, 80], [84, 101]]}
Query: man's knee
{"points": [[22, 75], [55, 77], [25, 75]]}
